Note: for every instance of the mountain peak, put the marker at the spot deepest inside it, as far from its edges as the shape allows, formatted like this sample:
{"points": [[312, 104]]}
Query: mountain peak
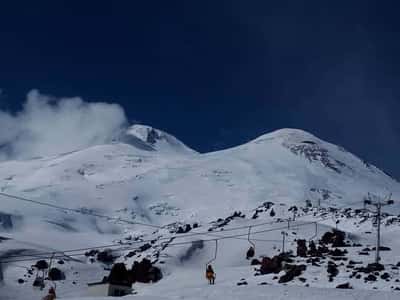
{"points": [[289, 134], [158, 139]]}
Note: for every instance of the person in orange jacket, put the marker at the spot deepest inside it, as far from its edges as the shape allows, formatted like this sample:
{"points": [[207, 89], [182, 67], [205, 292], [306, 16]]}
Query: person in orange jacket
{"points": [[210, 274]]}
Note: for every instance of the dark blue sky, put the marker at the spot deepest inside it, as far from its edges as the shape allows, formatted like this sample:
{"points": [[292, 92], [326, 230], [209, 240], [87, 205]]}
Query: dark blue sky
{"points": [[218, 73]]}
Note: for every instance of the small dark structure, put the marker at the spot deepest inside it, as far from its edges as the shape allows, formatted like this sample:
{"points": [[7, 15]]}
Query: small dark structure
{"points": [[120, 280]]}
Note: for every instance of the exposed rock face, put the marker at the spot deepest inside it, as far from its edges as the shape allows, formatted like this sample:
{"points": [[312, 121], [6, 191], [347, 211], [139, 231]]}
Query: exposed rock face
{"points": [[344, 286], [336, 238], [292, 272], [142, 271]]}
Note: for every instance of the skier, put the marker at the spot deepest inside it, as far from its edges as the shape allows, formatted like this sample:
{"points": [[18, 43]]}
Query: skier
{"points": [[250, 253], [210, 274], [51, 295]]}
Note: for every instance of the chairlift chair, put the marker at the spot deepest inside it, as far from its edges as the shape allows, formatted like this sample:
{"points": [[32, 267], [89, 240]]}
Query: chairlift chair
{"points": [[252, 250]]}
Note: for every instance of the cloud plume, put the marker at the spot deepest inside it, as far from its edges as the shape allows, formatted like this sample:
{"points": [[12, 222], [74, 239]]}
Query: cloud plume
{"points": [[48, 125]]}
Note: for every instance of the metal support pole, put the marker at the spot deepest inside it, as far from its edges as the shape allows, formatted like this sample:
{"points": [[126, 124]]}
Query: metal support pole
{"points": [[378, 236], [378, 204], [283, 241]]}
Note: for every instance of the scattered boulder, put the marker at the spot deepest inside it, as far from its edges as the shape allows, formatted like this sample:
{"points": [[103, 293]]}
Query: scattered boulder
{"points": [[292, 272], [92, 252], [344, 286], [21, 281], [144, 247], [106, 256], [332, 270], [370, 277], [337, 252], [385, 276], [255, 262], [370, 268], [242, 282], [145, 272], [269, 265], [382, 248], [336, 238], [41, 265], [184, 229]]}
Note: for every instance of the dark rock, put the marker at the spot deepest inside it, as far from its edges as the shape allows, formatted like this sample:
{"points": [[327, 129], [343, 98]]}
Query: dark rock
{"points": [[60, 262], [292, 272], [302, 279], [370, 277], [382, 248], [385, 276], [332, 270], [255, 262], [145, 272], [269, 265], [21, 281], [91, 253], [106, 256], [335, 238], [344, 286], [41, 265], [337, 252], [144, 247]]}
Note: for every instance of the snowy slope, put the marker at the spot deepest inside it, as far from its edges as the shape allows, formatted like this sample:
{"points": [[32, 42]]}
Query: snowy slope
{"points": [[149, 176]]}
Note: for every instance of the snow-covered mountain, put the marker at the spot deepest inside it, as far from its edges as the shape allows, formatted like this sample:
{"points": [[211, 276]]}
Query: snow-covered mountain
{"points": [[150, 176]]}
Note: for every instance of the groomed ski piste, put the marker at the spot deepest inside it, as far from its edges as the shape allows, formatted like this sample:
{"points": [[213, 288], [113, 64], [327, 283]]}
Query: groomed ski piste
{"points": [[137, 197]]}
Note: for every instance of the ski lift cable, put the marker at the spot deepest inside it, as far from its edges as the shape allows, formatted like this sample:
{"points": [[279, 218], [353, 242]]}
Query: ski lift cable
{"points": [[63, 252], [215, 254], [149, 240], [79, 211], [248, 238], [128, 247], [172, 244]]}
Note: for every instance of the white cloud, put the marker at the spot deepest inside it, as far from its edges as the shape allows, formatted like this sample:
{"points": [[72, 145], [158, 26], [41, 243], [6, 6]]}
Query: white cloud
{"points": [[47, 125]]}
